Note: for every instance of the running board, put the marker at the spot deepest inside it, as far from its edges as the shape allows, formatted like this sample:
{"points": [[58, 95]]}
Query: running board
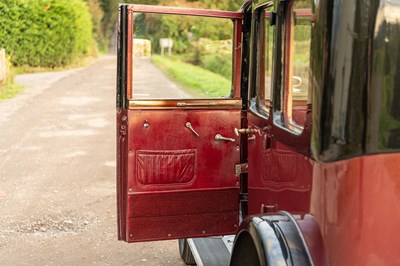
{"points": [[211, 251]]}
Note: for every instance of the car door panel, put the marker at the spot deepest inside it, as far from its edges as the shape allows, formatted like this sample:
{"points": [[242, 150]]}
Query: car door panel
{"points": [[174, 178], [280, 175], [178, 158], [178, 183], [162, 216]]}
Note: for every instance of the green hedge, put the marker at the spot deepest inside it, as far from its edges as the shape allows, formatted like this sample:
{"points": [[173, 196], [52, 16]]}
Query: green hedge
{"points": [[46, 33]]}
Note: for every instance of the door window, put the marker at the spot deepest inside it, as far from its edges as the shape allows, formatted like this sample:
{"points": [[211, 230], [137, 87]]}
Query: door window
{"points": [[261, 94], [280, 80], [296, 65], [180, 56], [268, 54]]}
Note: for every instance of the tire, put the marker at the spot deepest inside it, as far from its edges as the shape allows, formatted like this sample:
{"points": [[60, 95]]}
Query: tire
{"points": [[185, 252]]}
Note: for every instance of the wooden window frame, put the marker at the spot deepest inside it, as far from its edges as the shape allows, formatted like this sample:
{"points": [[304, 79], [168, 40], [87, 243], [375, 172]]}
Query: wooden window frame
{"points": [[236, 17], [288, 101]]}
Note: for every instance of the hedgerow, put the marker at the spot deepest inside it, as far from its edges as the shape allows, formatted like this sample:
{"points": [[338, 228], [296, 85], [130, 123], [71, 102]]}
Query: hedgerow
{"points": [[46, 33]]}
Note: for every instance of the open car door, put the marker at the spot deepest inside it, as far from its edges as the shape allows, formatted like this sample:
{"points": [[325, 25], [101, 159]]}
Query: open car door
{"points": [[176, 147]]}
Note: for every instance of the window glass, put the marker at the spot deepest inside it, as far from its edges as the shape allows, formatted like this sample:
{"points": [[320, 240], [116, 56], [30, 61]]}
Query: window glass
{"points": [[177, 56], [301, 57], [297, 65], [263, 34], [268, 40]]}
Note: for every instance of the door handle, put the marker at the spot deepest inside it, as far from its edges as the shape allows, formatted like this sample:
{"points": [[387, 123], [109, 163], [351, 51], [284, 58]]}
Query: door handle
{"points": [[239, 131], [189, 126], [219, 137]]}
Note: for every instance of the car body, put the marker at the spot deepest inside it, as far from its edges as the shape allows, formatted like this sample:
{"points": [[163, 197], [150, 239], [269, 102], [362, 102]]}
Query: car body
{"points": [[311, 179]]}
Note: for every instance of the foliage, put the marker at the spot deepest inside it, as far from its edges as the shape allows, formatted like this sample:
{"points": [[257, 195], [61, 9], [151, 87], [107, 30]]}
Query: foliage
{"points": [[195, 80], [221, 64], [386, 66], [206, 42], [184, 30], [110, 8], [97, 16], [10, 90], [232, 5], [45, 32], [215, 56]]}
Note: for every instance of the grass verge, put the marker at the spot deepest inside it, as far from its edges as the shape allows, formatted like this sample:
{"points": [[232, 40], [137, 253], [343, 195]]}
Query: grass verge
{"points": [[194, 80], [10, 90], [84, 61]]}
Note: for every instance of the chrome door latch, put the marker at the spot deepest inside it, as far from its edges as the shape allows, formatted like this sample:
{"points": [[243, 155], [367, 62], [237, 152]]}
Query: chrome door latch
{"points": [[241, 168], [239, 131]]}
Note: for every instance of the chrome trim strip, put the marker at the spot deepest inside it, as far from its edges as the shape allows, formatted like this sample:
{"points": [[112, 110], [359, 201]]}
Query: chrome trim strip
{"points": [[186, 104]]}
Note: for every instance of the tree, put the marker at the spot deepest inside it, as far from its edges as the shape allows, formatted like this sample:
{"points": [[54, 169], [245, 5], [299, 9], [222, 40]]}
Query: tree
{"points": [[110, 8]]}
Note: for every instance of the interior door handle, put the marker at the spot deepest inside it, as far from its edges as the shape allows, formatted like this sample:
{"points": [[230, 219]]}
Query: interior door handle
{"points": [[189, 126], [219, 137]]}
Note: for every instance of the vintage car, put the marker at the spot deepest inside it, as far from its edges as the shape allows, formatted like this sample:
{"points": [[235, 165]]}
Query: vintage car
{"points": [[299, 161]]}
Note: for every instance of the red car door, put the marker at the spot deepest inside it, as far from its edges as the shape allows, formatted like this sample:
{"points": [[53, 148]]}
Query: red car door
{"points": [[176, 154], [280, 167]]}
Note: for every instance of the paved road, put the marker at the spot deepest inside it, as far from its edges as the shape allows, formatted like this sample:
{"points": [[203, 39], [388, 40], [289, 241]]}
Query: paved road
{"points": [[57, 174], [146, 87]]}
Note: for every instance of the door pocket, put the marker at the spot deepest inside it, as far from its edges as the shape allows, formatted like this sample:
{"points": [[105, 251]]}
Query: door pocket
{"points": [[282, 167], [164, 167]]}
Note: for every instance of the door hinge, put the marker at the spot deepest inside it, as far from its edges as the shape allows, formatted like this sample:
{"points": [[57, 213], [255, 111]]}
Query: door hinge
{"points": [[241, 168], [123, 126], [244, 196]]}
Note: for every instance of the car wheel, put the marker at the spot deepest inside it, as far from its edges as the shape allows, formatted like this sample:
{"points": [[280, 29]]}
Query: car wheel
{"points": [[185, 252]]}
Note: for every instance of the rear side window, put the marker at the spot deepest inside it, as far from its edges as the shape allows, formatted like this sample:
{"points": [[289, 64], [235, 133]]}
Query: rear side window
{"points": [[263, 35], [296, 64], [283, 64]]}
